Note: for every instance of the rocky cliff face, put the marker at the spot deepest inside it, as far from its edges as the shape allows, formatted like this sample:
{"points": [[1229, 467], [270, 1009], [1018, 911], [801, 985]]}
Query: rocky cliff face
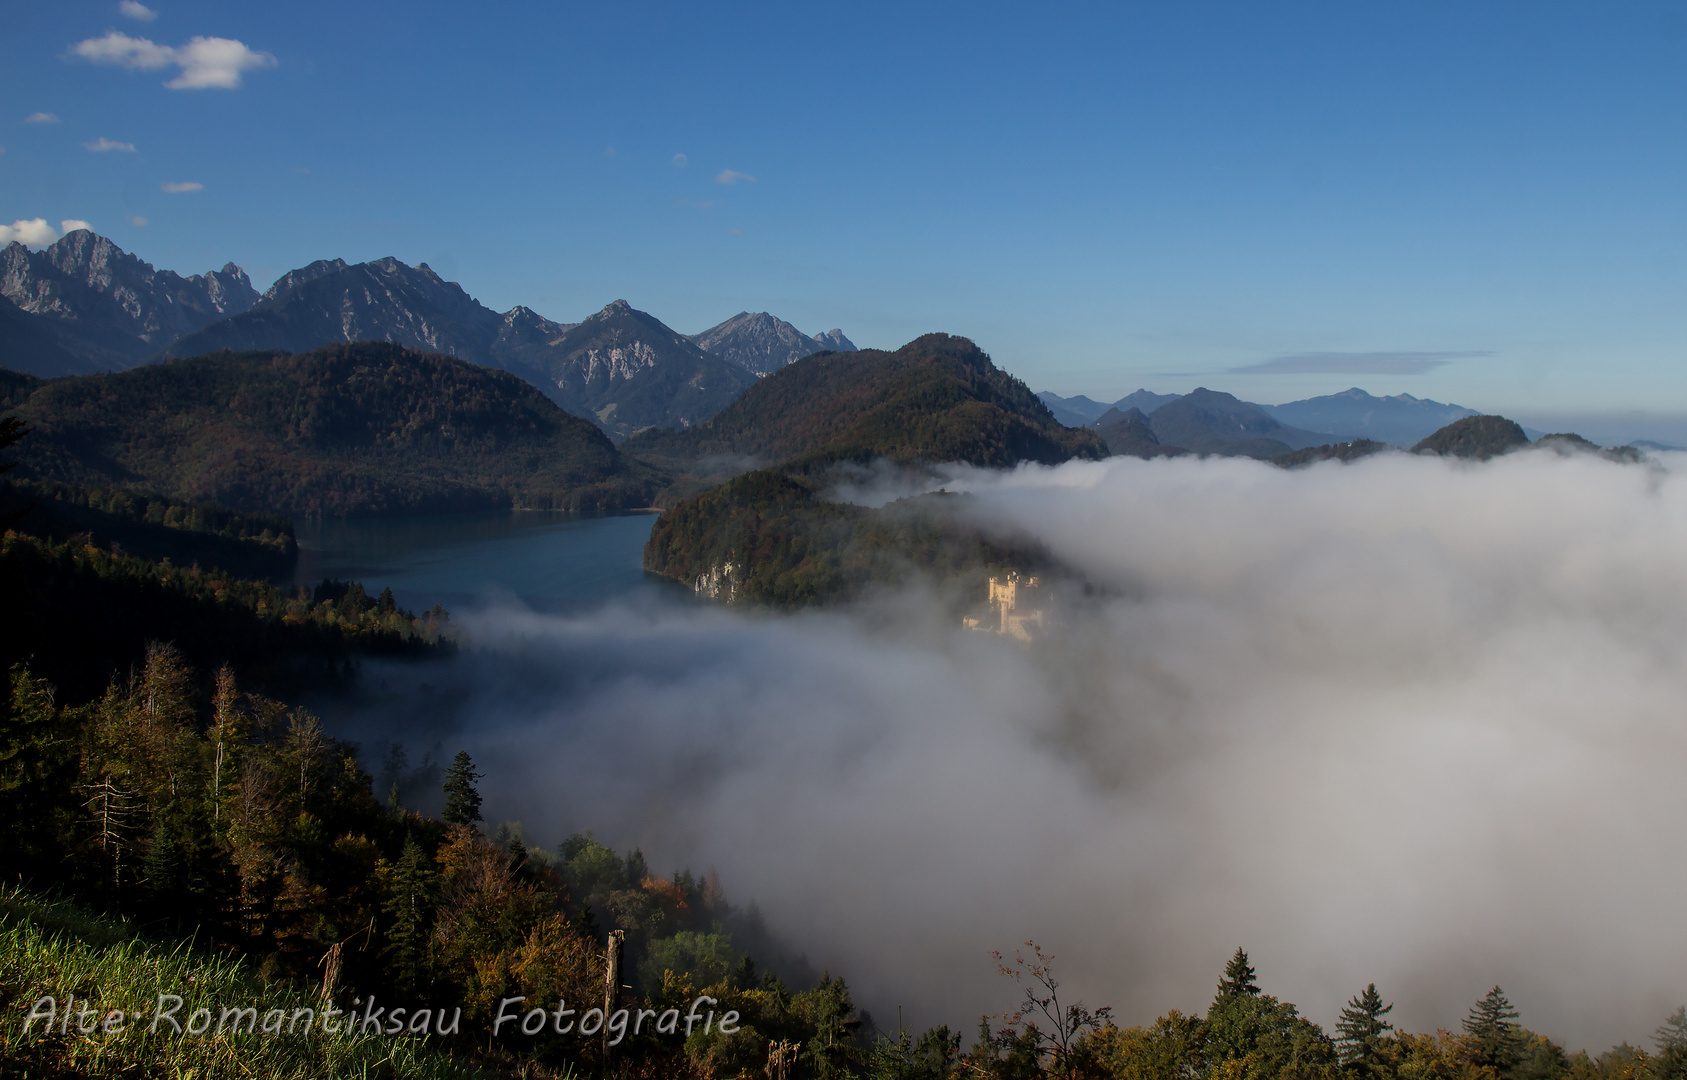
{"points": [[629, 371], [108, 309], [330, 301], [764, 344], [834, 339]]}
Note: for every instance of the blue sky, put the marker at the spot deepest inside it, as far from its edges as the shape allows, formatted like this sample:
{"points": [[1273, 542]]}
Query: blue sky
{"points": [[1474, 202]]}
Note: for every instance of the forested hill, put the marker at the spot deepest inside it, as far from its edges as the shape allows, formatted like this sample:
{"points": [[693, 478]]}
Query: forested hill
{"points": [[359, 428], [770, 537], [938, 398]]}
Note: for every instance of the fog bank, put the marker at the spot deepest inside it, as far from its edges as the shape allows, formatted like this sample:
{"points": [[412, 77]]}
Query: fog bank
{"points": [[1408, 721]]}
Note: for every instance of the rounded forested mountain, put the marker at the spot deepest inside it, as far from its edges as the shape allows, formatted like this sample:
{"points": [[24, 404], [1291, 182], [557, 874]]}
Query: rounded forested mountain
{"points": [[365, 427], [938, 398], [1480, 437]]}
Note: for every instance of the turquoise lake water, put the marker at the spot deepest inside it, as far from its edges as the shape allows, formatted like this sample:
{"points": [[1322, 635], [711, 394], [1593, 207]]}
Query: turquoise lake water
{"points": [[549, 561]]}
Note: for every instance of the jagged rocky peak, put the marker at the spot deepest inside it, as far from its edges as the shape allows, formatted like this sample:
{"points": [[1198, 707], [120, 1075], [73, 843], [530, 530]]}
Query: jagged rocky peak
{"points": [[762, 343], [110, 309], [304, 275], [523, 324], [834, 339]]}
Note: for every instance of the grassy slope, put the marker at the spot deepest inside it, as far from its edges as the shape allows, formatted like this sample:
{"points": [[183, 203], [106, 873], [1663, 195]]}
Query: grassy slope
{"points": [[360, 428], [53, 948]]}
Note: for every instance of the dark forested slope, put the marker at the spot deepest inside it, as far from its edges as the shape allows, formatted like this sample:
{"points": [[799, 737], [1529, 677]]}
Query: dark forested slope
{"points": [[938, 398], [770, 537], [360, 428]]}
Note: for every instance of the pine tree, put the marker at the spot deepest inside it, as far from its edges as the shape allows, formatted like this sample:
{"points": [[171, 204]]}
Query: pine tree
{"points": [[11, 430], [1238, 977], [1671, 1040], [1493, 1024], [1361, 1027], [409, 900], [462, 798]]}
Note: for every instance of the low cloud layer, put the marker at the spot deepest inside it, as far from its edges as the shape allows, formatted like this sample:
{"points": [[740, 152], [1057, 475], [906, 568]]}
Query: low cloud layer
{"points": [[204, 62], [1407, 721], [1354, 363]]}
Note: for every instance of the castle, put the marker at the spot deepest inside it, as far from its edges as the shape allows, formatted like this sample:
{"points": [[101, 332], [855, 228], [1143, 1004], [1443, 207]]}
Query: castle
{"points": [[1010, 611]]}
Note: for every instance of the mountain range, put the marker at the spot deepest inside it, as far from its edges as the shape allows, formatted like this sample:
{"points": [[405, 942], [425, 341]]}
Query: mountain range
{"points": [[90, 306], [1400, 419], [83, 305]]}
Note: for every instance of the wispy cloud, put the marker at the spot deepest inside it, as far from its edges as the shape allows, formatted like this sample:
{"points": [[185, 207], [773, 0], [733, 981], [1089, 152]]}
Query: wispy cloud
{"points": [[137, 11], [1354, 363], [36, 233], [179, 186], [103, 145], [681, 161], [206, 62], [735, 232], [41, 118], [733, 176], [138, 222]]}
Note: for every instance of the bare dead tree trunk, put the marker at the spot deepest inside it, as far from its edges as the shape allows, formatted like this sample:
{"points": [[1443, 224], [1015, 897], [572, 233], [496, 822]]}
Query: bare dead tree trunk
{"points": [[611, 985], [330, 972]]}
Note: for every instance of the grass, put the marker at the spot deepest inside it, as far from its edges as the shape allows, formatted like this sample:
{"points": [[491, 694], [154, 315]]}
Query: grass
{"points": [[54, 948]]}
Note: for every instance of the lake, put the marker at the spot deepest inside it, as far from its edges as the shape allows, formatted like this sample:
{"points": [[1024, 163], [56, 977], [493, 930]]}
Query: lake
{"points": [[551, 561]]}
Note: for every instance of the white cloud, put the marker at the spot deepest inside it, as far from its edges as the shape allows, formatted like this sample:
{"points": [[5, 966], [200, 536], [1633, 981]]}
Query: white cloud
{"points": [[732, 176], [36, 233], [103, 145], [681, 161], [138, 222], [120, 50], [41, 118], [209, 62], [176, 187], [205, 62], [137, 11]]}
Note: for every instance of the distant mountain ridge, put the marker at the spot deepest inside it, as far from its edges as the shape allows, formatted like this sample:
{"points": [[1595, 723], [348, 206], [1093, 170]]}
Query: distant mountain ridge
{"points": [[620, 367], [83, 305], [103, 309], [1399, 419], [333, 301], [764, 344]]}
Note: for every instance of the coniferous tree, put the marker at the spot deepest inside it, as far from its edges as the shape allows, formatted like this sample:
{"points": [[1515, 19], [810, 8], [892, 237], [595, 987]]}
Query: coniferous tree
{"points": [[37, 769], [1671, 1041], [1238, 977], [409, 900], [11, 430], [462, 798], [1493, 1024], [1362, 1026]]}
